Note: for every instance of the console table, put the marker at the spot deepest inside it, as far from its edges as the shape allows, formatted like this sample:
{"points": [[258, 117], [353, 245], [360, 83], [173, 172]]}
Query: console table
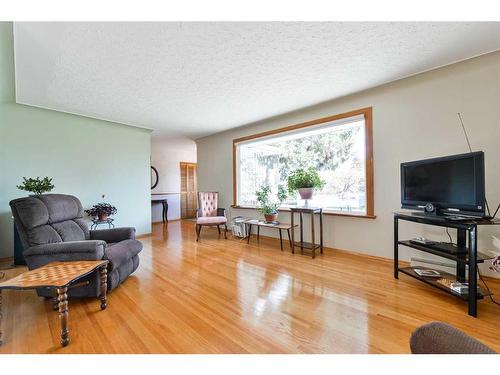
{"points": [[164, 204], [464, 253], [307, 245]]}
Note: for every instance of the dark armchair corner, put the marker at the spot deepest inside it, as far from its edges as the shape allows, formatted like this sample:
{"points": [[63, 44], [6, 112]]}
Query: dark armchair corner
{"points": [[51, 228], [442, 338]]}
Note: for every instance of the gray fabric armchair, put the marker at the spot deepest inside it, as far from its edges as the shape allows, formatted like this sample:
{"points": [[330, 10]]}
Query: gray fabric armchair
{"points": [[442, 338], [51, 228]]}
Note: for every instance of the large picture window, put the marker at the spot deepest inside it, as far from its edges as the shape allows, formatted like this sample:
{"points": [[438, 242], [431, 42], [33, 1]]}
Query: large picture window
{"points": [[338, 147]]}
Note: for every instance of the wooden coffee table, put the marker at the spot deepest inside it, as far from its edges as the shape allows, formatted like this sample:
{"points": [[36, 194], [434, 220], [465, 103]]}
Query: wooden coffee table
{"points": [[58, 276]]}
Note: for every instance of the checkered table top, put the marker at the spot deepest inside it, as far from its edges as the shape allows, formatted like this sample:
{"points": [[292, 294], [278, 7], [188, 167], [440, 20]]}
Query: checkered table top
{"points": [[54, 274]]}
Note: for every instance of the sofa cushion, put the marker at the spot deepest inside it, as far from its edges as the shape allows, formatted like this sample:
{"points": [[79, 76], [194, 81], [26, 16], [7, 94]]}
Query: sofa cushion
{"points": [[211, 220], [30, 211], [69, 231], [61, 207], [121, 252]]}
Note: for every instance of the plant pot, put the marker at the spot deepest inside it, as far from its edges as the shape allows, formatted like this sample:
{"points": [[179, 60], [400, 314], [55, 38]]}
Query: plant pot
{"points": [[271, 217], [102, 217], [306, 193]]}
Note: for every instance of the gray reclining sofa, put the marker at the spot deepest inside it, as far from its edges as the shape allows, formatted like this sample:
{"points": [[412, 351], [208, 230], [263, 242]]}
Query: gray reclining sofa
{"points": [[51, 228]]}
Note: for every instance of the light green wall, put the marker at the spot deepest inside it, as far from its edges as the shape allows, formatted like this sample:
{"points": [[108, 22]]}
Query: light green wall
{"points": [[85, 157]]}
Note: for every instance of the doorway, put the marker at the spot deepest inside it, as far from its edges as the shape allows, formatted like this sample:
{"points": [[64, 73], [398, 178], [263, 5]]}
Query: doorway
{"points": [[188, 190]]}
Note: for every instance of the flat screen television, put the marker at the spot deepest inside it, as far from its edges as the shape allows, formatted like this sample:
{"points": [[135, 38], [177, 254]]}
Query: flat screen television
{"points": [[453, 184]]}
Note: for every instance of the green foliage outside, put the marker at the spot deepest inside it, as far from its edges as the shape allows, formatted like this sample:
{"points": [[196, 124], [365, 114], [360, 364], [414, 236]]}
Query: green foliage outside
{"points": [[334, 155]]}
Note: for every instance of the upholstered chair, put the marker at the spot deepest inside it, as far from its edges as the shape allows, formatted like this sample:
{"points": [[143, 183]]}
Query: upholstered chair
{"points": [[209, 213], [442, 338], [51, 228]]}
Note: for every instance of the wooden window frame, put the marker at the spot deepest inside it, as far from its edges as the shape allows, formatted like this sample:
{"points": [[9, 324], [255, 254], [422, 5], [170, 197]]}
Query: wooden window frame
{"points": [[369, 177]]}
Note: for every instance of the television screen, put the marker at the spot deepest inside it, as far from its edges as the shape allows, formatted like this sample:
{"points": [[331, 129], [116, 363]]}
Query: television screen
{"points": [[455, 182]]}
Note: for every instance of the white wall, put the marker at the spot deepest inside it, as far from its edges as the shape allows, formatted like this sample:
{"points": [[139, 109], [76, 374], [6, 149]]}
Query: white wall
{"points": [[413, 118], [166, 154]]}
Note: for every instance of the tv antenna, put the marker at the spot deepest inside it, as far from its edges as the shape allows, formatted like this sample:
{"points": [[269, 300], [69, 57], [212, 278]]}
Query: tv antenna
{"points": [[490, 217], [465, 131]]}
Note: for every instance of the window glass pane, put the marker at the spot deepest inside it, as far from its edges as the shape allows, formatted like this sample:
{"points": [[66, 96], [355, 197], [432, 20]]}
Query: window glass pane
{"points": [[335, 150]]}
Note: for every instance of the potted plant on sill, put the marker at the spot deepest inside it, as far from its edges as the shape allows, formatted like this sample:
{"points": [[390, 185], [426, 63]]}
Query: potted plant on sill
{"points": [[101, 211], [267, 206], [305, 181], [37, 186]]}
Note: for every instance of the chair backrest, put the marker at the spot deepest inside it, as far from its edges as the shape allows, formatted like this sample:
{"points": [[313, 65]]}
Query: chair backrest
{"points": [[208, 202], [49, 218]]}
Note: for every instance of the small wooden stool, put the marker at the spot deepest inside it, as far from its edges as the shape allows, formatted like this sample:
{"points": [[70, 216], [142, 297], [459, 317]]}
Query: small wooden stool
{"points": [[58, 276]]}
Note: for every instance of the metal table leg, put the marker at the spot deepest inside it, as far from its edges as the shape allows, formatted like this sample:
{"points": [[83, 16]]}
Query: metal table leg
{"points": [[321, 231], [396, 248], [1, 337], [301, 233], [461, 242], [312, 237], [249, 232], [472, 272]]}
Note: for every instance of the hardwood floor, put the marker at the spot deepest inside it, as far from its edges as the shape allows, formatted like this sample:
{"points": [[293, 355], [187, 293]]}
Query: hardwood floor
{"points": [[224, 296]]}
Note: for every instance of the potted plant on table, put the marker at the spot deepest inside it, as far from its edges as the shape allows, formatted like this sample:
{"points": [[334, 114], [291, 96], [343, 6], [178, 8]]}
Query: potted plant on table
{"points": [[268, 206], [305, 181], [101, 211], [38, 185]]}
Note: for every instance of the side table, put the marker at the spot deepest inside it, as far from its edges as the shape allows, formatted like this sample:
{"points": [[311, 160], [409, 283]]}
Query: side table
{"points": [[97, 222], [280, 226], [307, 245]]}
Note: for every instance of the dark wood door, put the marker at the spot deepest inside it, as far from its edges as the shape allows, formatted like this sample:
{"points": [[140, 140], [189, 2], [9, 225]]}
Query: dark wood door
{"points": [[188, 190]]}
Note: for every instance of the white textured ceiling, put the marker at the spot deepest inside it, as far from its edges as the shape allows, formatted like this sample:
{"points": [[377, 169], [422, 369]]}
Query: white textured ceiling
{"points": [[199, 78]]}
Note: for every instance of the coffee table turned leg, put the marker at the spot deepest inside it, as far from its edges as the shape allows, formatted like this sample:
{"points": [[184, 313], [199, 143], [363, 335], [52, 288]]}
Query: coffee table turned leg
{"points": [[63, 314], [104, 287]]}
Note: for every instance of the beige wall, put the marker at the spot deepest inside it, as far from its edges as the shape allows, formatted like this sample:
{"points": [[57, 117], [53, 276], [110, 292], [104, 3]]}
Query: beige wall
{"points": [[413, 118]]}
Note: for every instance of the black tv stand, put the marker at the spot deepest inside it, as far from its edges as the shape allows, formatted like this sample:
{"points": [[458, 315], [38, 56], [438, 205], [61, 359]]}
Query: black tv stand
{"points": [[465, 254]]}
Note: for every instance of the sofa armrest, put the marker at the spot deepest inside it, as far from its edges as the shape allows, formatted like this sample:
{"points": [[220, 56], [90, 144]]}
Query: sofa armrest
{"points": [[37, 256], [113, 235], [441, 338]]}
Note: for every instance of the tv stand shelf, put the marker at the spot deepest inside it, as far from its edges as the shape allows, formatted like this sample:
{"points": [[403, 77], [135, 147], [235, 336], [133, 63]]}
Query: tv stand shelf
{"points": [[410, 271], [458, 256], [465, 254]]}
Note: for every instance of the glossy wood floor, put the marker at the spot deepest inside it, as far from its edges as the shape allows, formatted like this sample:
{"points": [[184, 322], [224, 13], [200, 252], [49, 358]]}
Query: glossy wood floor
{"points": [[224, 296]]}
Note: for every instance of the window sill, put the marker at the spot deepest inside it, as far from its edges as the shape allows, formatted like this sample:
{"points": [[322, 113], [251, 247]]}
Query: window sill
{"points": [[329, 213]]}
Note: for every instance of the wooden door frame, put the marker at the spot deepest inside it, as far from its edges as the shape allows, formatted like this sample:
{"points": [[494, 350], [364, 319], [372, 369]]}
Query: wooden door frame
{"points": [[195, 165]]}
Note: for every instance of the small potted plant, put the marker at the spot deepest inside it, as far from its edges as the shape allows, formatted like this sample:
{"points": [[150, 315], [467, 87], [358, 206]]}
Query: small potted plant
{"points": [[101, 211], [267, 206], [305, 181], [37, 186]]}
